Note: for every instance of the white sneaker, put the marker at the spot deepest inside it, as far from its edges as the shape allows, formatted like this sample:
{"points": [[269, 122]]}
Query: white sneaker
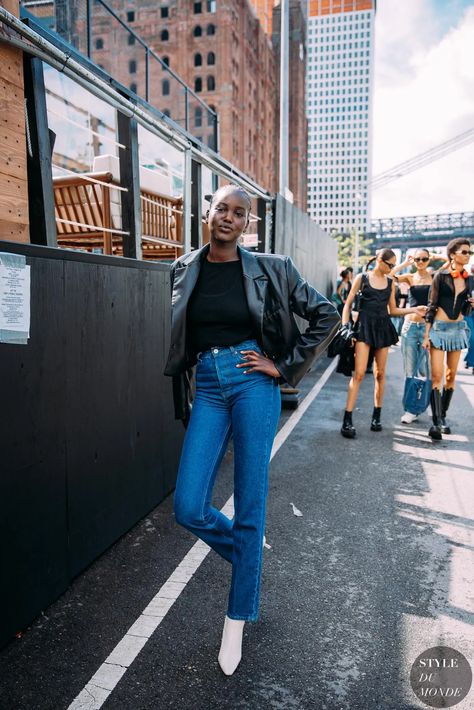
{"points": [[408, 418]]}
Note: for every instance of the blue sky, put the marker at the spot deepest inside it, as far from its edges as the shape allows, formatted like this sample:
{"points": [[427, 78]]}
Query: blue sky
{"points": [[424, 95]]}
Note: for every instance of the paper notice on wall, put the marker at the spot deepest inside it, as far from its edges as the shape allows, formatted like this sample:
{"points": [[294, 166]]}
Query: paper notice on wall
{"points": [[14, 299]]}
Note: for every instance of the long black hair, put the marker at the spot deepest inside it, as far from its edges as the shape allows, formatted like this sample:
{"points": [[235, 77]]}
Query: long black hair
{"points": [[384, 255]]}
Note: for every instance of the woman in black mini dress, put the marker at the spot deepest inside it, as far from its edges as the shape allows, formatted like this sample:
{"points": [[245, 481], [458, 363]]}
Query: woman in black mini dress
{"points": [[374, 329]]}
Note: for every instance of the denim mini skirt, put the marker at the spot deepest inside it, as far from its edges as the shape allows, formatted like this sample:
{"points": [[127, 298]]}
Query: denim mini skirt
{"points": [[449, 335]]}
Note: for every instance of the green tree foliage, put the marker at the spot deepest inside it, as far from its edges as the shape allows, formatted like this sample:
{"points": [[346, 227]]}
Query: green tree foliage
{"points": [[346, 248]]}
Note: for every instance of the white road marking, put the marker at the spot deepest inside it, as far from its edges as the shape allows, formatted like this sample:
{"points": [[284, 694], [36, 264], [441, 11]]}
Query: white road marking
{"points": [[97, 690]]}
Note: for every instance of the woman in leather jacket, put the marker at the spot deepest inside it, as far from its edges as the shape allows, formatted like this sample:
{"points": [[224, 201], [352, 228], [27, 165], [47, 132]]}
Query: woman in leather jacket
{"points": [[451, 296], [233, 316]]}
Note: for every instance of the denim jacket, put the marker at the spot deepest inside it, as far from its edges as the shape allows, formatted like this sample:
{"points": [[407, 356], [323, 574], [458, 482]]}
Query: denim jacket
{"points": [[275, 292]]}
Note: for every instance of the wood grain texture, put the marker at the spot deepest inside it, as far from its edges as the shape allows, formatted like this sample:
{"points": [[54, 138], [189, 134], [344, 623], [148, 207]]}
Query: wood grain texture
{"points": [[13, 199], [14, 232], [14, 217], [11, 65]]}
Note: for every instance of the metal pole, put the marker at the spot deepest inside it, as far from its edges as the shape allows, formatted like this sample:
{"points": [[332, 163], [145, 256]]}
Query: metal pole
{"points": [[187, 196], [147, 75], [89, 29], [284, 102]]}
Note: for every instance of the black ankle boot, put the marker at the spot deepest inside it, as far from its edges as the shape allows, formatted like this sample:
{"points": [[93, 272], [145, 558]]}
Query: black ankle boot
{"points": [[347, 428], [375, 424], [445, 402], [436, 411]]}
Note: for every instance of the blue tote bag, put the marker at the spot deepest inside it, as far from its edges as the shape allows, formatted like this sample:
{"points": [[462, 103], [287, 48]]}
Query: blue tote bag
{"points": [[416, 396]]}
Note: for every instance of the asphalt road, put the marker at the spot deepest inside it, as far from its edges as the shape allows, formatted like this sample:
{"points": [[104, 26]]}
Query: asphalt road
{"points": [[378, 568]]}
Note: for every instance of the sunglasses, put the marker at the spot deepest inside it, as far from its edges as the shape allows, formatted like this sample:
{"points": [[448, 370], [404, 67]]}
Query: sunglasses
{"points": [[387, 263], [465, 252], [421, 258]]}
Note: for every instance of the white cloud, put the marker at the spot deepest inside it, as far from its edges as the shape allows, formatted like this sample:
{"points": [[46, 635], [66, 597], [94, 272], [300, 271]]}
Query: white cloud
{"points": [[424, 95]]}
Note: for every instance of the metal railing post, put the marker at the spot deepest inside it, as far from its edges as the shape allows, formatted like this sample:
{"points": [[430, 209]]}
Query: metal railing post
{"points": [[130, 176], [187, 200], [196, 205], [186, 108], [147, 74], [39, 157], [262, 225], [88, 28]]}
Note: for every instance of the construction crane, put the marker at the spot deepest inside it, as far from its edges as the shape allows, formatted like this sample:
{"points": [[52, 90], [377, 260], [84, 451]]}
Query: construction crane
{"points": [[422, 159]]}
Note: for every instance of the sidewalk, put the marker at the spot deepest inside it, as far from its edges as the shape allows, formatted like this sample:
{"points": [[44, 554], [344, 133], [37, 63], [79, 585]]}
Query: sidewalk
{"points": [[379, 567]]}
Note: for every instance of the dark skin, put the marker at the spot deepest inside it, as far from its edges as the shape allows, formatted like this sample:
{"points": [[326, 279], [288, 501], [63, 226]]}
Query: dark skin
{"points": [[228, 218]]}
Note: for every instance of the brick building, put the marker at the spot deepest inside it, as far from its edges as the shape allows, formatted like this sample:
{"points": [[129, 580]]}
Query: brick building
{"points": [[227, 52], [222, 52]]}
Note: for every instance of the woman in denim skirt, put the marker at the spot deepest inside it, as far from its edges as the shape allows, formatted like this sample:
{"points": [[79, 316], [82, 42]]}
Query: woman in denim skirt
{"points": [[232, 317], [451, 296]]}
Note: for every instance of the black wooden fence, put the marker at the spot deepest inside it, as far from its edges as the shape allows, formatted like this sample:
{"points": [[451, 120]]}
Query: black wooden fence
{"points": [[87, 439]]}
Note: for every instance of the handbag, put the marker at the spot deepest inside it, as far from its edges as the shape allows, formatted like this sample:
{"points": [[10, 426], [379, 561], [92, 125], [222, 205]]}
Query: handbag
{"points": [[341, 341], [416, 396]]}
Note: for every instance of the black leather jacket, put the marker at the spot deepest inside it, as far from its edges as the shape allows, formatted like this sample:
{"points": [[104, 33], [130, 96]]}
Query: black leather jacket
{"points": [[275, 291], [442, 294]]}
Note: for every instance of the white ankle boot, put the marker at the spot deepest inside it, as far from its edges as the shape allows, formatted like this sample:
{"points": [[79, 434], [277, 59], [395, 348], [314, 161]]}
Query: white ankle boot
{"points": [[231, 645]]}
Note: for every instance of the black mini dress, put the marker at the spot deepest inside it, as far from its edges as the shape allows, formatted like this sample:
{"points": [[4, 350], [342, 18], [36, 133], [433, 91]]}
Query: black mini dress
{"points": [[374, 325]]}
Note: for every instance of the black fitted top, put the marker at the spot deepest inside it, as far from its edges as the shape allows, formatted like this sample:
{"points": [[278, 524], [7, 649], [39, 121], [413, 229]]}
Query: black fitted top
{"points": [[418, 295], [442, 295], [218, 313], [374, 301]]}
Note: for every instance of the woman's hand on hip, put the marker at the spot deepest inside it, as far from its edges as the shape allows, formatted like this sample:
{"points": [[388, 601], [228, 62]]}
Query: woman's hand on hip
{"points": [[256, 362]]}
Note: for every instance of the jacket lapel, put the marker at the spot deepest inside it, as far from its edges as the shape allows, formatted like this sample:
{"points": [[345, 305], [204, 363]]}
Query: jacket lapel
{"points": [[185, 277], [255, 285]]}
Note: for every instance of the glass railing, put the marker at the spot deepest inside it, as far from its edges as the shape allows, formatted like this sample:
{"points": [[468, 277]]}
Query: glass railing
{"points": [[98, 31]]}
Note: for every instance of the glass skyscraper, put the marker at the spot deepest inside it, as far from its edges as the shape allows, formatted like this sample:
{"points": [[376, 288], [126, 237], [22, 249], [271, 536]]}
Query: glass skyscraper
{"points": [[339, 102]]}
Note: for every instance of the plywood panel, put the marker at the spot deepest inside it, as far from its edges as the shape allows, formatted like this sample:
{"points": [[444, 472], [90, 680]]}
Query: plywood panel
{"points": [[13, 169], [11, 65], [13, 199], [14, 232], [13, 154], [11, 96]]}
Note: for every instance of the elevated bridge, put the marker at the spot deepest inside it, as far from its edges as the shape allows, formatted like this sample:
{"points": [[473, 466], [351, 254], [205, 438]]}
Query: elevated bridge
{"points": [[427, 230]]}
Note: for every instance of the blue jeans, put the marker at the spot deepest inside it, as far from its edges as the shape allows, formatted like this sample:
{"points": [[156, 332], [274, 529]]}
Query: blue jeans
{"points": [[412, 338], [246, 407], [469, 357]]}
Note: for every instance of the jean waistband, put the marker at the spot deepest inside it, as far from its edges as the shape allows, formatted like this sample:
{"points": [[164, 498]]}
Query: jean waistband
{"points": [[449, 325], [220, 350]]}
